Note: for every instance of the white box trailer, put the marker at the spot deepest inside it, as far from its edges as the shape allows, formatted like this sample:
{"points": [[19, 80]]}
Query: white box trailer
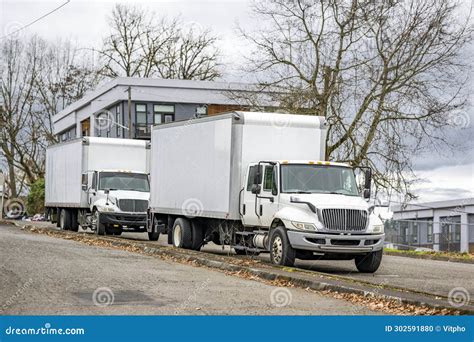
{"points": [[259, 182], [98, 183], [205, 160]]}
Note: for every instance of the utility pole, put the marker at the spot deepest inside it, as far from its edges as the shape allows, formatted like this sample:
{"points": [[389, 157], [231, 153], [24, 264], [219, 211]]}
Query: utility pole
{"points": [[129, 112]]}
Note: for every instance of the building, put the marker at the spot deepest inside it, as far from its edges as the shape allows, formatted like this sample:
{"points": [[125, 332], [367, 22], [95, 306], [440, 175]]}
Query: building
{"points": [[147, 101], [442, 225]]}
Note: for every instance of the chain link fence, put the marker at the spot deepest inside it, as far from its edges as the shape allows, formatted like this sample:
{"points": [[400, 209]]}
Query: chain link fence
{"points": [[419, 235]]}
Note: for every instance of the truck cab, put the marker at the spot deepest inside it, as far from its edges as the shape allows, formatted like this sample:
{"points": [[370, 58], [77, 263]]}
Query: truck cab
{"points": [[117, 200], [311, 210]]}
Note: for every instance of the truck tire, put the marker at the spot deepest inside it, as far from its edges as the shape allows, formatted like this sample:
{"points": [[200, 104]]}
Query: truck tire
{"points": [[74, 221], [153, 236], [281, 252], [99, 227], [58, 212], [198, 236], [65, 219], [369, 263], [182, 233]]}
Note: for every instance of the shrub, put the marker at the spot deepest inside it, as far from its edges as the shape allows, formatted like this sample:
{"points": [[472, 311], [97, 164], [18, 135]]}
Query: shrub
{"points": [[35, 200]]}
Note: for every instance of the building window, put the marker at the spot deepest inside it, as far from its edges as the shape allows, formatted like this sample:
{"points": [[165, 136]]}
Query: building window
{"points": [[85, 128], [201, 111], [117, 121], [141, 121], [163, 113], [65, 136], [429, 232], [140, 113]]}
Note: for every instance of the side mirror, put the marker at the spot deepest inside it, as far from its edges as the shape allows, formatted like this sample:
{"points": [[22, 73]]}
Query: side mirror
{"points": [[84, 187], [368, 183], [256, 189], [106, 191], [258, 177]]}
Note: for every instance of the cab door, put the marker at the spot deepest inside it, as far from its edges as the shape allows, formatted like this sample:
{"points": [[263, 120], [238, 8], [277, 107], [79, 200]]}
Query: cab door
{"points": [[249, 200], [268, 197]]}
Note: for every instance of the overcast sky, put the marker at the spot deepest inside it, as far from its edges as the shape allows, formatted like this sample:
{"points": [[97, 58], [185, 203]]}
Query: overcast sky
{"points": [[446, 174]]}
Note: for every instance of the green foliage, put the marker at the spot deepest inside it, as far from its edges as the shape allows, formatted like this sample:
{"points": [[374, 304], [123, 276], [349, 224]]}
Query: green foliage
{"points": [[35, 200]]}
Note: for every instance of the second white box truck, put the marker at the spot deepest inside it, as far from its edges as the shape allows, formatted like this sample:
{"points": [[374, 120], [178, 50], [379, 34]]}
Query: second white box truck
{"points": [[259, 183], [101, 184]]}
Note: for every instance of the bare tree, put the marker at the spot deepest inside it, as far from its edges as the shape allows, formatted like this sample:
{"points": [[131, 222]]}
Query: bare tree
{"points": [[386, 74], [191, 55], [38, 79], [66, 74], [20, 65], [142, 44]]}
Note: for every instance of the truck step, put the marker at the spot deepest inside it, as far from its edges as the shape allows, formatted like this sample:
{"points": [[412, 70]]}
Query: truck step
{"points": [[253, 249]]}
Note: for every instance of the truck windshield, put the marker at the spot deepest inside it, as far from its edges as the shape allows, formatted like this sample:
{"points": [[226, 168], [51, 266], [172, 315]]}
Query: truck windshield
{"points": [[124, 181], [329, 179]]}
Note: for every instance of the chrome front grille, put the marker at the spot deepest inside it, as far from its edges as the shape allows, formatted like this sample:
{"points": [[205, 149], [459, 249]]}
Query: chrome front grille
{"points": [[345, 220], [133, 205]]}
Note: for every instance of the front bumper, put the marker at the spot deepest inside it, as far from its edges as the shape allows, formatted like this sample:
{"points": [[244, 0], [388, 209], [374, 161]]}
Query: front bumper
{"points": [[129, 220], [336, 243]]}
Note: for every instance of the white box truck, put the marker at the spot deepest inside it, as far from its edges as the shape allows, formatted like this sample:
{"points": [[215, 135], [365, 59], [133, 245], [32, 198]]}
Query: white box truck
{"points": [[101, 184], [259, 183]]}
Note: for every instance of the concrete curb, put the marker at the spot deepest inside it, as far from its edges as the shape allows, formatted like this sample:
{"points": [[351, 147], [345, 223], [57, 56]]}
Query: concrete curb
{"points": [[430, 257], [314, 280]]}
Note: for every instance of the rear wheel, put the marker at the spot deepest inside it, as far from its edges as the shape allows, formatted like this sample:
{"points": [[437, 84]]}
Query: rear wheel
{"points": [[74, 221], [198, 236], [153, 236], [182, 233], [281, 252], [58, 214], [369, 263], [65, 219]]}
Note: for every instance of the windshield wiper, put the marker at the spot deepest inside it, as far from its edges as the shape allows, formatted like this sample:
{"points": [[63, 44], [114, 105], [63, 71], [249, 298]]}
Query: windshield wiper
{"points": [[300, 192]]}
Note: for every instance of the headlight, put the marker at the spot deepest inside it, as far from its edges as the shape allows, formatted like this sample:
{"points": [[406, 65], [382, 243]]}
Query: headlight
{"points": [[106, 208], [377, 228], [303, 225]]}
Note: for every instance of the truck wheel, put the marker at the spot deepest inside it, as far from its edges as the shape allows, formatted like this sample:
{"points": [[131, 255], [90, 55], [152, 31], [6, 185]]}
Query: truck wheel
{"points": [[182, 233], [99, 227], [281, 252], [369, 263], [65, 219], [58, 213], [74, 221], [153, 236], [198, 236]]}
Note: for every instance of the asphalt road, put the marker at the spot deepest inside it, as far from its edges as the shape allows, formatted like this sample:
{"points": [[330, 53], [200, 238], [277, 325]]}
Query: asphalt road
{"points": [[430, 276], [42, 275]]}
